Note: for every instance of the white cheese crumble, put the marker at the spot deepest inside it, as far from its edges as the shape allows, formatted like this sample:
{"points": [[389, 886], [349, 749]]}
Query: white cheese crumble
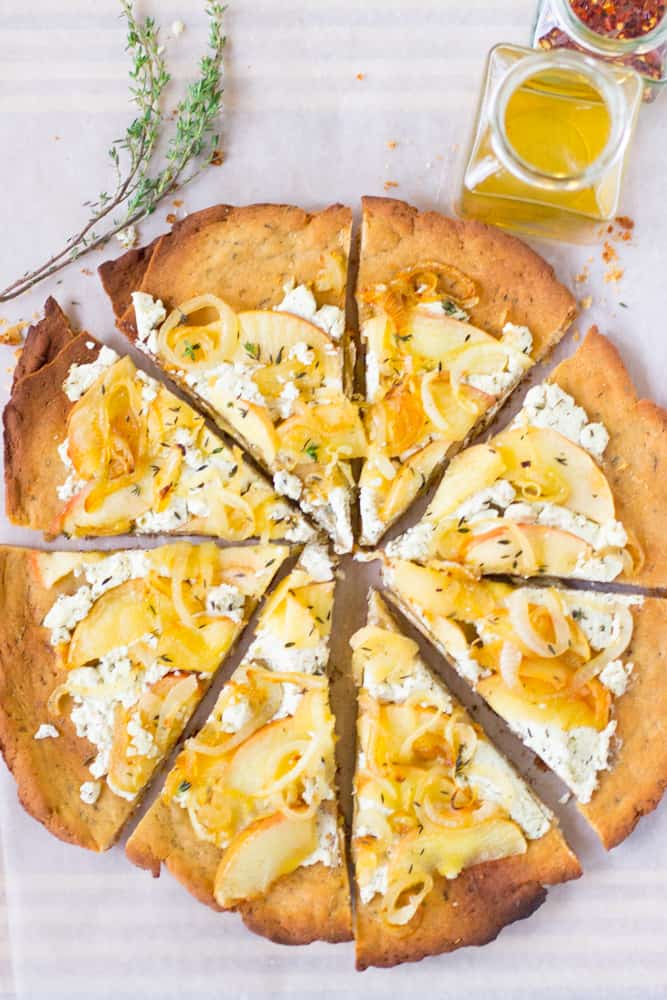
{"points": [[616, 675], [377, 883], [177, 28], [72, 485], [485, 502], [287, 484], [603, 569], [300, 301], [46, 731], [65, 614], [302, 353], [235, 715], [141, 743], [227, 600], [149, 387], [227, 381], [170, 519], [128, 237], [372, 524], [287, 399], [149, 313], [507, 790], [444, 307], [372, 375], [575, 755], [518, 337], [292, 695], [499, 382], [612, 534], [546, 405], [90, 792], [339, 503], [316, 562], [418, 679], [81, 377], [415, 544], [327, 851], [289, 659], [114, 569]]}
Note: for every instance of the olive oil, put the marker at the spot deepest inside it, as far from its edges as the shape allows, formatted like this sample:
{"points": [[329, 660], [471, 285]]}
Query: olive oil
{"points": [[548, 153]]}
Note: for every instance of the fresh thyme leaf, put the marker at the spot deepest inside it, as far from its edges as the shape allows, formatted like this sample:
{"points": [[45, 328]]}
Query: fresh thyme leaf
{"points": [[252, 350], [311, 450], [184, 786], [189, 350], [141, 180]]}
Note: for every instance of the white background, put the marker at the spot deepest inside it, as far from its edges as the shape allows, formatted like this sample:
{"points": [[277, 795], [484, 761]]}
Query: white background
{"points": [[300, 127]]}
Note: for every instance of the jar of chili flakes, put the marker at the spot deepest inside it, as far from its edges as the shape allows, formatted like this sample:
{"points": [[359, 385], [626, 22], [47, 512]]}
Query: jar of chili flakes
{"points": [[627, 32]]}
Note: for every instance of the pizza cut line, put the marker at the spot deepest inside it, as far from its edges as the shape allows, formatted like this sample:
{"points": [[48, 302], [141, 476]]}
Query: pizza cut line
{"points": [[103, 659], [248, 818], [94, 446], [266, 355], [443, 347], [440, 816]]}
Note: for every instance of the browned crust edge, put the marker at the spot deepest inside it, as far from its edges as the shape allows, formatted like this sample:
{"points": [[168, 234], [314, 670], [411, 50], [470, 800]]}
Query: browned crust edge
{"points": [[311, 904], [44, 340], [635, 460]]}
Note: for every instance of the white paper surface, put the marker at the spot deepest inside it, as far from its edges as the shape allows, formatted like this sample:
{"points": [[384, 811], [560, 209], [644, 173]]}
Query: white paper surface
{"points": [[300, 127]]}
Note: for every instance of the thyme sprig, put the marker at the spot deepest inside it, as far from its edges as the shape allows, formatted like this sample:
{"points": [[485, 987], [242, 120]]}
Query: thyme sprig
{"points": [[139, 186]]}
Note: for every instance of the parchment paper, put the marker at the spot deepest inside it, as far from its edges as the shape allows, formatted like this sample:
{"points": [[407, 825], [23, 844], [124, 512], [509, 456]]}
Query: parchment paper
{"points": [[301, 127]]}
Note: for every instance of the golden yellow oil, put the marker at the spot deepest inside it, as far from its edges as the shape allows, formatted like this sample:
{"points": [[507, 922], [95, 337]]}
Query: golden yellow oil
{"points": [[557, 124]]}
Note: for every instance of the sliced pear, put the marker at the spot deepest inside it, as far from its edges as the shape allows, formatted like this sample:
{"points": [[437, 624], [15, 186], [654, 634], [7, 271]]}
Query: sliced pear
{"points": [[525, 550], [528, 452], [472, 470], [261, 854]]}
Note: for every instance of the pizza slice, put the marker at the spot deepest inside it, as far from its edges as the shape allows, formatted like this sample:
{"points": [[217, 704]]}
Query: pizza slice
{"points": [[452, 316], [245, 309], [104, 656], [248, 818], [449, 843], [574, 487], [579, 676], [94, 446]]}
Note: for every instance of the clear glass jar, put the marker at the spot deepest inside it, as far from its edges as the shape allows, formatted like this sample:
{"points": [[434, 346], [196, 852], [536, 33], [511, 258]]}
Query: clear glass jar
{"points": [[550, 143], [557, 26]]}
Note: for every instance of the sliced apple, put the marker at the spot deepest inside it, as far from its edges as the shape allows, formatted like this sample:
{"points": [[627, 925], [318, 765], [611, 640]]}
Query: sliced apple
{"points": [[530, 454], [51, 567], [254, 426], [441, 337], [266, 336], [120, 615], [565, 712], [472, 470], [266, 850], [449, 851], [443, 592], [526, 550], [116, 509]]}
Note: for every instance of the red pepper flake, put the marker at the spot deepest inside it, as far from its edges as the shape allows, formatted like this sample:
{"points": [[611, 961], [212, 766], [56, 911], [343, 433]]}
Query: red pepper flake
{"points": [[622, 19]]}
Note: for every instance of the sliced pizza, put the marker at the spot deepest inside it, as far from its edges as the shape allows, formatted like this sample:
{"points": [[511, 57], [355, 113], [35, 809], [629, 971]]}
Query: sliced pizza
{"points": [[248, 818], [94, 446], [103, 658], [449, 843], [572, 488], [579, 676], [452, 316], [245, 310]]}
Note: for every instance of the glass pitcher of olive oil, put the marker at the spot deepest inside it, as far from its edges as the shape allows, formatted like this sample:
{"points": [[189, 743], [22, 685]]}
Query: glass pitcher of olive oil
{"points": [[550, 143]]}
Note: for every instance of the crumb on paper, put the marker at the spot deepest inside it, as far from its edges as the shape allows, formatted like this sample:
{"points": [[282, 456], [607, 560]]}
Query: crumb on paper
{"points": [[86, 270], [565, 798], [177, 28], [177, 202], [13, 334], [128, 237], [361, 76], [582, 276], [217, 158], [609, 254], [17, 354], [576, 336], [625, 222], [586, 302], [392, 144], [171, 218], [539, 764], [388, 185], [613, 275]]}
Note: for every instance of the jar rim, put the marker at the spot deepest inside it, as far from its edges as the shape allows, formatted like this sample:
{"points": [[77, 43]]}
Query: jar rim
{"points": [[601, 79], [607, 44]]}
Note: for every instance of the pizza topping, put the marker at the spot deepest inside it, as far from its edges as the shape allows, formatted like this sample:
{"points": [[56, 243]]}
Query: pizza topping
{"points": [[316, 562], [432, 795], [46, 731], [300, 301], [548, 660], [81, 377], [547, 405], [90, 792], [149, 313]]}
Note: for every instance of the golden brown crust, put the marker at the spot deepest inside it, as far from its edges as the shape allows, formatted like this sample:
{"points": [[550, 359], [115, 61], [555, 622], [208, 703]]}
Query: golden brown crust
{"points": [[471, 909], [35, 423], [244, 255], [48, 772], [514, 283], [635, 460], [637, 778], [311, 904], [44, 340]]}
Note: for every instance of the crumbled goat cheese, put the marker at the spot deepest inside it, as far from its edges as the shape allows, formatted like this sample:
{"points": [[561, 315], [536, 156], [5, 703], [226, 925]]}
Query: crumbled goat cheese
{"points": [[46, 731], [372, 375], [289, 659], [226, 381], [149, 313], [90, 792], [287, 399], [602, 568], [415, 544], [316, 562], [114, 569], [485, 502], [616, 675], [509, 791], [292, 695], [497, 383], [81, 377], [235, 715], [299, 532], [302, 353], [373, 526], [65, 614], [339, 503], [518, 337], [378, 883], [141, 743], [300, 301], [419, 679], [128, 237], [72, 484], [444, 307], [576, 755], [287, 484], [149, 387], [227, 600], [172, 518], [546, 405], [599, 536], [328, 848]]}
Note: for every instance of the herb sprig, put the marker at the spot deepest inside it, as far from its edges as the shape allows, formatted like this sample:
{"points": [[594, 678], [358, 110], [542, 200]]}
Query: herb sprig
{"points": [[140, 183]]}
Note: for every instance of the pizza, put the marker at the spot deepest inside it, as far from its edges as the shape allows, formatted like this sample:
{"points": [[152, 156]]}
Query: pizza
{"points": [[569, 489], [577, 675], [95, 446], [245, 309], [449, 843], [453, 314], [103, 658], [248, 817]]}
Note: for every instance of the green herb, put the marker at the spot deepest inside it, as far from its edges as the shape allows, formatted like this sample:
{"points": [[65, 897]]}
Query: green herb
{"points": [[460, 761], [624, 305], [189, 350], [252, 350], [183, 787], [141, 180], [311, 450]]}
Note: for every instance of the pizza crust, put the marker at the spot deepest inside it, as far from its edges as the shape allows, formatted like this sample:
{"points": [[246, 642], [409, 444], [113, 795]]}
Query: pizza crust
{"points": [[311, 904], [471, 909], [48, 772], [44, 340], [514, 283], [635, 460], [637, 779]]}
